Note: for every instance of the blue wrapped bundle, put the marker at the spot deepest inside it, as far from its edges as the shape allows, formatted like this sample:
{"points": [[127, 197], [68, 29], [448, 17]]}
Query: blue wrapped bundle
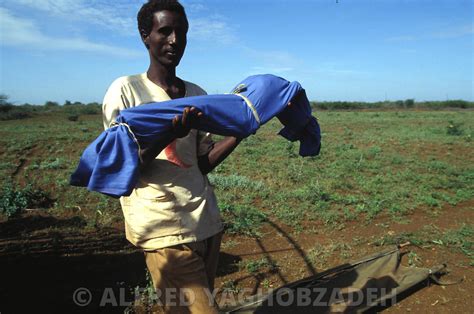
{"points": [[110, 163]]}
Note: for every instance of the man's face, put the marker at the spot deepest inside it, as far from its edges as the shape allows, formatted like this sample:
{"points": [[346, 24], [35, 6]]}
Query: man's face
{"points": [[167, 39]]}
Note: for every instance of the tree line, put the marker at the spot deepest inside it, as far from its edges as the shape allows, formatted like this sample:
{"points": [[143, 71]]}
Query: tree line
{"points": [[9, 111], [398, 104]]}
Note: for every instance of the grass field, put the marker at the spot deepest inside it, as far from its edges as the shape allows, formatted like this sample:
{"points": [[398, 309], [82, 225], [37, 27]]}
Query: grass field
{"points": [[383, 177]]}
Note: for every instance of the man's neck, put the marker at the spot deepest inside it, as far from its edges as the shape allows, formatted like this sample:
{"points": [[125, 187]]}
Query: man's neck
{"points": [[162, 76], [166, 79]]}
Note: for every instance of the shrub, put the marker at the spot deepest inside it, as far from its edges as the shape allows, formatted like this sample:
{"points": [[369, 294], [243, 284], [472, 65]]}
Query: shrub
{"points": [[73, 117], [13, 200], [454, 128], [398, 104], [457, 104], [13, 114], [242, 220], [5, 107], [409, 103], [51, 104]]}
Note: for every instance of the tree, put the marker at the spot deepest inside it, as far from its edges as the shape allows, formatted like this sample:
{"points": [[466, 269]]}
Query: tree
{"points": [[3, 99], [5, 105], [409, 103], [50, 104]]}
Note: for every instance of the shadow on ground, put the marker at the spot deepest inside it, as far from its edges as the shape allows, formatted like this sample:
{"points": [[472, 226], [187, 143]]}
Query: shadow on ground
{"points": [[51, 265], [44, 260]]}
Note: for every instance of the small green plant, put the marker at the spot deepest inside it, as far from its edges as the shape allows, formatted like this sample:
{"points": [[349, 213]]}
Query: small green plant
{"points": [[349, 214], [57, 163], [416, 238], [373, 152], [295, 171], [267, 284], [329, 217], [462, 238], [414, 259], [13, 199], [319, 254], [244, 220], [229, 244], [258, 266], [430, 201], [234, 181], [454, 128], [290, 151], [6, 165], [145, 297], [230, 286]]}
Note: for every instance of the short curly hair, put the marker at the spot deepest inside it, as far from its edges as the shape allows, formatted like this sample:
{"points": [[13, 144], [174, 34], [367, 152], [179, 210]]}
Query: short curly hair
{"points": [[145, 15]]}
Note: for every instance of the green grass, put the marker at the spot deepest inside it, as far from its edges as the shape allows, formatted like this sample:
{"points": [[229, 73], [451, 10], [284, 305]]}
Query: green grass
{"points": [[43, 151], [318, 256], [460, 239], [234, 182], [242, 220], [371, 164], [261, 265]]}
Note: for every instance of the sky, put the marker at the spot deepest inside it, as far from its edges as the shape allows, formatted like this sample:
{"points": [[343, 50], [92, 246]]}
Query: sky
{"points": [[348, 50]]}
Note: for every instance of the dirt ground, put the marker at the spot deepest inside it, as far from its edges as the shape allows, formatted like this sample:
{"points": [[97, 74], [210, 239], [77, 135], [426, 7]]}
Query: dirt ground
{"points": [[44, 260]]}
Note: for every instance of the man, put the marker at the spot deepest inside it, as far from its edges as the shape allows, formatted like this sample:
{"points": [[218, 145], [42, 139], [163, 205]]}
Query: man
{"points": [[172, 213]]}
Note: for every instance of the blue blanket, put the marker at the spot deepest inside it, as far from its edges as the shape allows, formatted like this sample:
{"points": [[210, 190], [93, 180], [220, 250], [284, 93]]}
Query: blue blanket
{"points": [[110, 163]]}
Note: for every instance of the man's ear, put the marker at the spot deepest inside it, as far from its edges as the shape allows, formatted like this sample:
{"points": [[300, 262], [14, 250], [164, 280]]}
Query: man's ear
{"points": [[145, 37]]}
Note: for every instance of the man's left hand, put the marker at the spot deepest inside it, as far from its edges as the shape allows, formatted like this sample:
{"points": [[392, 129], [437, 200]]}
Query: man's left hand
{"points": [[184, 123]]}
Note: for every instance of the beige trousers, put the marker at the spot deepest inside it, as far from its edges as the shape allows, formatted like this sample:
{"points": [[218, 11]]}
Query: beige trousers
{"points": [[183, 275]]}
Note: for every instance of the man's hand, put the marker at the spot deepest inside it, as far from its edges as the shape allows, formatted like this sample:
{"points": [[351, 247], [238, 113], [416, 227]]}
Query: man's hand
{"points": [[182, 124]]}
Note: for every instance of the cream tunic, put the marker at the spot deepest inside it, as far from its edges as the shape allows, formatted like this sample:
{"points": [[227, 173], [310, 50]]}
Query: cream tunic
{"points": [[173, 201]]}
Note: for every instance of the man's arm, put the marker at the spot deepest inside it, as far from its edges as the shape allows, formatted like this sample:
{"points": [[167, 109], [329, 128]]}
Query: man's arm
{"points": [[223, 148], [217, 154], [181, 126]]}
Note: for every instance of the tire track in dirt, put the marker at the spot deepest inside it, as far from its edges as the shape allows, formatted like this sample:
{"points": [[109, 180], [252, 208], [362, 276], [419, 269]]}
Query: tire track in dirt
{"points": [[25, 161]]}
